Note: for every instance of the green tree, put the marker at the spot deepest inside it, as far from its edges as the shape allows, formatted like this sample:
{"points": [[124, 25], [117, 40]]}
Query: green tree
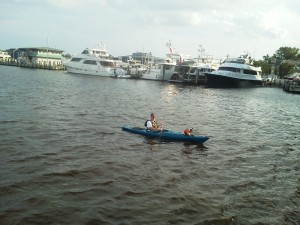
{"points": [[284, 61], [286, 68], [265, 66], [287, 53]]}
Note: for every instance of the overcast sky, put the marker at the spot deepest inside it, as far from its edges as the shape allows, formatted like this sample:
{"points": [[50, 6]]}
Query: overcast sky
{"points": [[222, 27]]}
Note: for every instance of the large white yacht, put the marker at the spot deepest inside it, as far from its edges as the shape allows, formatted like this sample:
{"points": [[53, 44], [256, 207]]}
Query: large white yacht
{"points": [[235, 72], [94, 61]]}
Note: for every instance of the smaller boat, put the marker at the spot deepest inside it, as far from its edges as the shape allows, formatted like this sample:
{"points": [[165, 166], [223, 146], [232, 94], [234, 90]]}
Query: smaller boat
{"points": [[135, 68], [167, 135], [292, 85], [204, 64], [196, 74], [173, 66]]}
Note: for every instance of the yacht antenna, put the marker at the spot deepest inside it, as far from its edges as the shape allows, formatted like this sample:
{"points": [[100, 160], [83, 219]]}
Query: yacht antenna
{"points": [[169, 44], [200, 53]]}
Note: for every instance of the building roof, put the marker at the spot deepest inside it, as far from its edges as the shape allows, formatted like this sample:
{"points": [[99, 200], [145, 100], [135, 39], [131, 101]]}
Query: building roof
{"points": [[42, 49]]}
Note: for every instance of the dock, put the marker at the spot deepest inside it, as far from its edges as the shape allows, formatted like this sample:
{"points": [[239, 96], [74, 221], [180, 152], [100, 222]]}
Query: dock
{"points": [[26, 64]]}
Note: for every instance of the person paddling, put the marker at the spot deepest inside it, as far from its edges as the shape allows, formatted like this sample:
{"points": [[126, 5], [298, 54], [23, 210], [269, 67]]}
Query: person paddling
{"points": [[152, 123]]}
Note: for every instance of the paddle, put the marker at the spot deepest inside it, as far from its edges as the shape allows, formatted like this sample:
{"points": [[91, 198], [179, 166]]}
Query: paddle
{"points": [[161, 129]]}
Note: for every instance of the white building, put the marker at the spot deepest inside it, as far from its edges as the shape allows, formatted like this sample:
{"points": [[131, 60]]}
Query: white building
{"points": [[4, 55]]}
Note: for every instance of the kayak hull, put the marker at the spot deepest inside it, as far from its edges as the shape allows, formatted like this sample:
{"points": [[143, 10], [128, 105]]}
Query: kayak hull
{"points": [[167, 135]]}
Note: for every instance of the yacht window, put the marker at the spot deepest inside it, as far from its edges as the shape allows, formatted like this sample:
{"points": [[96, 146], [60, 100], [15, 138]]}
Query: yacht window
{"points": [[106, 64], [91, 62], [85, 52], [241, 61], [75, 59], [193, 70], [230, 69], [252, 72]]}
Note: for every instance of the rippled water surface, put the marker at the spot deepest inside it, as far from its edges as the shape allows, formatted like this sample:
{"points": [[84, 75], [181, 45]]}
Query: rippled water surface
{"points": [[65, 160]]}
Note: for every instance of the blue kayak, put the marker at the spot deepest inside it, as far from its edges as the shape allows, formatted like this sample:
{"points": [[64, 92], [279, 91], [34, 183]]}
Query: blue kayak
{"points": [[167, 135]]}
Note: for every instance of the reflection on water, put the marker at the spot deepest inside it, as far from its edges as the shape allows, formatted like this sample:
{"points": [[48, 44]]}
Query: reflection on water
{"points": [[198, 147], [65, 159]]}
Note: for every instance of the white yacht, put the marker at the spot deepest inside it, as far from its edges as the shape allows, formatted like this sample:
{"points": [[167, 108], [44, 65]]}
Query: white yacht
{"points": [[235, 72], [94, 61]]}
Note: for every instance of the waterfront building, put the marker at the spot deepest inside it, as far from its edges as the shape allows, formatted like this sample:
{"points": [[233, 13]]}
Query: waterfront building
{"points": [[4, 55], [40, 55], [144, 58]]}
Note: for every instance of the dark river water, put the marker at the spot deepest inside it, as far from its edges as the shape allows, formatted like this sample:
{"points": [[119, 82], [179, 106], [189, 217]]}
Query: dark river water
{"points": [[65, 160]]}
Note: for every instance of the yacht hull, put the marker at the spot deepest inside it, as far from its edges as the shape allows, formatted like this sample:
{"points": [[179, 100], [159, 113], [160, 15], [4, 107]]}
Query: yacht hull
{"points": [[219, 80], [95, 71], [292, 86]]}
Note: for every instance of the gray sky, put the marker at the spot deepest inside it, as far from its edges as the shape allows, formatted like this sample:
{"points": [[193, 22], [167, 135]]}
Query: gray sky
{"points": [[222, 27]]}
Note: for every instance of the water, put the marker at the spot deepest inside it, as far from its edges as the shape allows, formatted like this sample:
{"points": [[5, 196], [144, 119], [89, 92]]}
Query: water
{"points": [[65, 159]]}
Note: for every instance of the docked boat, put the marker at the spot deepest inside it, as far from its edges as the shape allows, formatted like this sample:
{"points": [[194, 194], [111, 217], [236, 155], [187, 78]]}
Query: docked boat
{"points": [[167, 135], [94, 61], [235, 72], [174, 66], [292, 85], [196, 74], [162, 72], [135, 68], [193, 70], [204, 64], [182, 65]]}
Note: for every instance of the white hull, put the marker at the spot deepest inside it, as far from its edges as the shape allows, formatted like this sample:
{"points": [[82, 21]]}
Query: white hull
{"points": [[80, 67], [96, 62], [94, 70], [164, 73], [238, 76], [156, 74]]}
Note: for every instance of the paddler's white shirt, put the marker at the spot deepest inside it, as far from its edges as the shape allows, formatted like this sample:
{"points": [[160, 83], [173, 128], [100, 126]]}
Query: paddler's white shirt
{"points": [[149, 124]]}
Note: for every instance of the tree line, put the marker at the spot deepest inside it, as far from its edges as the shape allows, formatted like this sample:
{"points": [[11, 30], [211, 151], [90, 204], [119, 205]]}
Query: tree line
{"points": [[283, 62]]}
